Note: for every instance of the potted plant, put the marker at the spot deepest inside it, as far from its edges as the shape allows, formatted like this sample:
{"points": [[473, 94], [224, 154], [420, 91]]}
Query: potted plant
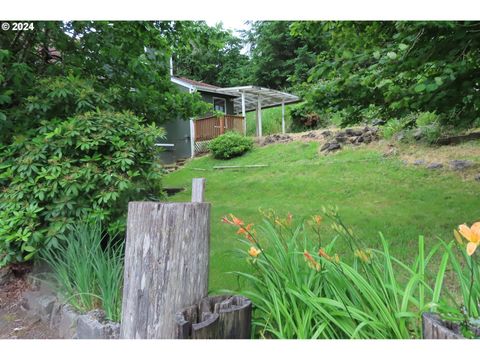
{"points": [[459, 322]]}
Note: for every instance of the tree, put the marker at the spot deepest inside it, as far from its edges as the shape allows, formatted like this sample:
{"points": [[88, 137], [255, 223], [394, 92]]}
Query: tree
{"points": [[212, 55], [124, 64], [393, 69]]}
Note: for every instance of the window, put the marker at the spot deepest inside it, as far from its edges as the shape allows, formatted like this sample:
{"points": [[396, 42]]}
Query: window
{"points": [[220, 104]]}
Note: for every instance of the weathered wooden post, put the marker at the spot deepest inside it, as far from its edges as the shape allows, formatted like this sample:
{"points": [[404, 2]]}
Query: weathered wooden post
{"points": [[166, 264]]}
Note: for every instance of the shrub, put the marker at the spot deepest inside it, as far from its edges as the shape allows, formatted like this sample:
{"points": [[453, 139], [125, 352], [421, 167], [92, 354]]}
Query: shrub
{"points": [[89, 165], [304, 118], [229, 145], [426, 118], [302, 289], [392, 127], [89, 276]]}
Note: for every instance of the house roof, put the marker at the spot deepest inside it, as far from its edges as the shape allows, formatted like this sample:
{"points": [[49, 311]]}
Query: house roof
{"points": [[197, 83], [252, 94]]}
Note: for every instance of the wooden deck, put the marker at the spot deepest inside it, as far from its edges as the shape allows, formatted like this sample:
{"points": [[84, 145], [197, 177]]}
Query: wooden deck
{"points": [[210, 127]]}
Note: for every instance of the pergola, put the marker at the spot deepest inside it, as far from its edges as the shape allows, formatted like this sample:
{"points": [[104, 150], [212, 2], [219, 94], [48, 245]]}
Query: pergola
{"points": [[249, 98]]}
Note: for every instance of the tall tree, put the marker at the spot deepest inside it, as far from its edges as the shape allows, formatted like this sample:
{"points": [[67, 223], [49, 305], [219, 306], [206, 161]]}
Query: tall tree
{"points": [[84, 65], [392, 69], [212, 55]]}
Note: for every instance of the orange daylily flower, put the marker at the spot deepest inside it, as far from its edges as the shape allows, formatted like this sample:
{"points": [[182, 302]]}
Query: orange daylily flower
{"points": [[317, 219], [323, 254], [254, 252], [311, 261], [233, 220], [472, 234], [363, 255], [247, 231]]}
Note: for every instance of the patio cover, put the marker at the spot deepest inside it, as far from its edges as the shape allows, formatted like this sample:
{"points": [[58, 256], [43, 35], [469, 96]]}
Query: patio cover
{"points": [[248, 98]]}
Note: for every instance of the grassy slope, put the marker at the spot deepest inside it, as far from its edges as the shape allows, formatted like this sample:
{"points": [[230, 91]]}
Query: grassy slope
{"points": [[373, 194]]}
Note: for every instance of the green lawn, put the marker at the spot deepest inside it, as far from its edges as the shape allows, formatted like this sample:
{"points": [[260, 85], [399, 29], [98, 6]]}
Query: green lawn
{"points": [[372, 193]]}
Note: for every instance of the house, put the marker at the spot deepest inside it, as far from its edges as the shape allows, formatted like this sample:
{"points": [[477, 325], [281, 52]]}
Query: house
{"points": [[187, 137]]}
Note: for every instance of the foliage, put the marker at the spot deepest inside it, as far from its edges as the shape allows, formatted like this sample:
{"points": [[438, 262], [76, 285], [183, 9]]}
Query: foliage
{"points": [[229, 145], [88, 268], [426, 118], [301, 289], [274, 55], [212, 55], [392, 127], [303, 118], [271, 120], [89, 165], [66, 68], [399, 67]]}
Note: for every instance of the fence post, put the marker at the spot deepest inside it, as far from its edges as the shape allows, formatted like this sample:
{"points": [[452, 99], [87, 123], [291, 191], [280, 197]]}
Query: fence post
{"points": [[222, 124], [166, 265]]}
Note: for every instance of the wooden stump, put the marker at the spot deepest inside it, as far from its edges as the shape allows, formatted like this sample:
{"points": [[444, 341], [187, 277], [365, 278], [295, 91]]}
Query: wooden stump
{"points": [[217, 317], [166, 266], [434, 328]]}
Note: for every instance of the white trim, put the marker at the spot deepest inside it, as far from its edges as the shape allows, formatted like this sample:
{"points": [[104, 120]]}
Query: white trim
{"points": [[224, 102], [259, 116], [244, 115], [183, 83], [165, 145], [192, 138]]}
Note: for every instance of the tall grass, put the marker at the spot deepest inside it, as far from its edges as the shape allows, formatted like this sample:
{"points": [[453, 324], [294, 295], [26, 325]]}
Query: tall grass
{"points": [[271, 121], [304, 290], [89, 270]]}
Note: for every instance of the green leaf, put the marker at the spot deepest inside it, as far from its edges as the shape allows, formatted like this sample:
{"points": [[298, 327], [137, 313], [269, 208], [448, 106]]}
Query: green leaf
{"points": [[402, 47], [29, 248], [419, 88], [392, 55]]}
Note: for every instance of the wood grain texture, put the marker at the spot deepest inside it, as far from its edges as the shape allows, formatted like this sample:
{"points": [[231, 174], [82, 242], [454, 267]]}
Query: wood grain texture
{"points": [[434, 328], [216, 317], [166, 266], [198, 190]]}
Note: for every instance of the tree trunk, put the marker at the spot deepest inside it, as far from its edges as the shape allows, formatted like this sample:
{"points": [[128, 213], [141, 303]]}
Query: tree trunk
{"points": [[166, 266]]}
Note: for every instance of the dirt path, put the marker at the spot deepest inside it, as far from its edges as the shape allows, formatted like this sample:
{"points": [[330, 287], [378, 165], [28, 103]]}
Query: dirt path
{"points": [[15, 322]]}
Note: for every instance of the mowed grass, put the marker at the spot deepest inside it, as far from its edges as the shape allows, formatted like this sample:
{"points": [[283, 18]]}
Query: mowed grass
{"points": [[374, 194]]}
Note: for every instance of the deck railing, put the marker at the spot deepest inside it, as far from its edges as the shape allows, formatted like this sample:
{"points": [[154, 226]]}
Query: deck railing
{"points": [[210, 127]]}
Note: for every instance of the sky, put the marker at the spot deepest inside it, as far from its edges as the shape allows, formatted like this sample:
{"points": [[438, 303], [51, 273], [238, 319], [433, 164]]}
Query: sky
{"points": [[231, 24]]}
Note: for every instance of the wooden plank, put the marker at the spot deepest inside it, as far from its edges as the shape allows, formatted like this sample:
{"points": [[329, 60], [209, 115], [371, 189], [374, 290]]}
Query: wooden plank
{"points": [[216, 317], [198, 190], [237, 166], [166, 266]]}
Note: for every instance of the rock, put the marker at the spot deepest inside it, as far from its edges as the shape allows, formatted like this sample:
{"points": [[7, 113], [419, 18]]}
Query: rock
{"points": [[434, 165], [353, 132], [277, 138], [67, 325], [5, 275], [419, 162], [477, 177], [459, 165], [326, 133], [341, 137], [418, 134], [331, 146], [93, 325], [310, 135], [399, 136], [378, 122]]}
